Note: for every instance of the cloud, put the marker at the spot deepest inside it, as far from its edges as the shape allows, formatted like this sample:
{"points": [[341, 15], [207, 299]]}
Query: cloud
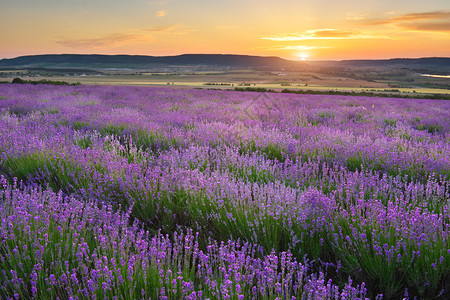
{"points": [[332, 33], [427, 26], [168, 30], [322, 34], [107, 40], [356, 17], [140, 35], [292, 47], [424, 21], [295, 48], [435, 15], [160, 28], [161, 13]]}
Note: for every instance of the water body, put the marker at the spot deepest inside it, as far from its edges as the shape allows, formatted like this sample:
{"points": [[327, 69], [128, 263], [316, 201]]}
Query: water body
{"points": [[435, 76]]}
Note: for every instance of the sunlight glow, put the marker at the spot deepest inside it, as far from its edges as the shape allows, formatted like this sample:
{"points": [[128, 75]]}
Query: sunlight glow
{"points": [[303, 56]]}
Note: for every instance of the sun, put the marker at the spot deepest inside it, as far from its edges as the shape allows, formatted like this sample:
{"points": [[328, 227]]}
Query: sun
{"points": [[302, 56]]}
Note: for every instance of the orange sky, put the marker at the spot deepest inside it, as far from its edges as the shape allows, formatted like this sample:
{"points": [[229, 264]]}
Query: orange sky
{"points": [[292, 29]]}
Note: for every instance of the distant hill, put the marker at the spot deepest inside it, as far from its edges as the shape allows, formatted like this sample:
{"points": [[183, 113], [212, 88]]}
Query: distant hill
{"points": [[143, 62], [88, 63], [400, 61], [440, 64]]}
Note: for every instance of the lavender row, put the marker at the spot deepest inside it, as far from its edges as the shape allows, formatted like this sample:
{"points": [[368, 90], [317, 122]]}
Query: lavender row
{"points": [[391, 135], [308, 217], [59, 247], [210, 171]]}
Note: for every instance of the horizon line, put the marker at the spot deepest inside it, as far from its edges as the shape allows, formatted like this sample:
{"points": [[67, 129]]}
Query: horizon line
{"points": [[229, 54]]}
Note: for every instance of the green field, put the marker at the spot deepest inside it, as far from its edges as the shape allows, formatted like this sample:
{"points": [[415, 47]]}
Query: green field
{"points": [[176, 81]]}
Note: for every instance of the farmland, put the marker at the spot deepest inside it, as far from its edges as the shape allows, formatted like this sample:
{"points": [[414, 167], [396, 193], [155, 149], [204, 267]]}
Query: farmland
{"points": [[398, 77], [276, 80], [138, 192]]}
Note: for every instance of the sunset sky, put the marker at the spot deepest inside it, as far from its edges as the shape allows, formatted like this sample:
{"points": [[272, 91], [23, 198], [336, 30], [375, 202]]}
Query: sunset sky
{"points": [[292, 29]]}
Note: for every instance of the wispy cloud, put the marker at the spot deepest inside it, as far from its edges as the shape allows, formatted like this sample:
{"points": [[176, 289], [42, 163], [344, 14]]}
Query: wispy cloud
{"points": [[161, 13], [98, 42], [295, 48], [412, 17], [291, 47], [333, 33], [322, 34], [423, 21], [168, 30], [427, 26], [160, 28], [134, 35], [356, 17]]}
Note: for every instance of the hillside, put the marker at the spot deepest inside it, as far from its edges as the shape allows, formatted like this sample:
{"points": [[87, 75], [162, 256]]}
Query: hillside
{"points": [[425, 64], [142, 61]]}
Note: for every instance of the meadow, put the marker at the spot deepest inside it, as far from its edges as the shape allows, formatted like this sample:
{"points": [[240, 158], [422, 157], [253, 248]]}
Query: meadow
{"points": [[298, 81], [133, 192]]}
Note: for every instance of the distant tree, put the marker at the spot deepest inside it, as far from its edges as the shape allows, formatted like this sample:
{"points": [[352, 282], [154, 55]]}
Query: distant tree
{"points": [[43, 81], [18, 80]]}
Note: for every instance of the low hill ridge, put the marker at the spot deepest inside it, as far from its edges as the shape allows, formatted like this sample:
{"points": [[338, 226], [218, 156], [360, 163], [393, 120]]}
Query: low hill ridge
{"points": [[63, 60]]}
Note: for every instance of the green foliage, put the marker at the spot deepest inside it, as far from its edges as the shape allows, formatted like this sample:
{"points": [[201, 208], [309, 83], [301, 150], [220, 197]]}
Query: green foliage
{"points": [[271, 151], [46, 170], [83, 143], [390, 122], [350, 104], [355, 163], [368, 94], [50, 112], [111, 129], [375, 251], [251, 174], [18, 80], [19, 111], [80, 125], [321, 118], [431, 128], [153, 141], [254, 89], [63, 244]]}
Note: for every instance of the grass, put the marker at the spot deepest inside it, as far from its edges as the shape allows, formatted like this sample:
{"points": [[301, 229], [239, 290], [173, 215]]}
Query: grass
{"points": [[54, 231], [431, 128], [270, 83], [390, 122], [420, 273], [56, 172]]}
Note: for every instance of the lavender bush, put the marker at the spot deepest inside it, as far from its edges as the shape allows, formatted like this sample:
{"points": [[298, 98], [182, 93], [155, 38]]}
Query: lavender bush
{"points": [[134, 192], [60, 247]]}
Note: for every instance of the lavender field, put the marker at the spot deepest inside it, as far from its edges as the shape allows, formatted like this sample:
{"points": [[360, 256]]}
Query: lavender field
{"points": [[136, 193]]}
